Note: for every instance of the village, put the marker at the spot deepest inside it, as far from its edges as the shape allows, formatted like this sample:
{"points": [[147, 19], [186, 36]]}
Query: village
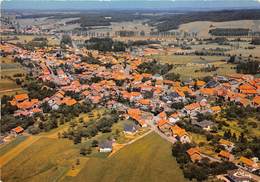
{"points": [[175, 110]]}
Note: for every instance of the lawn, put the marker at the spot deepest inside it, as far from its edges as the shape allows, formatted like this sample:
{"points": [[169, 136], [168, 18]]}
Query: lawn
{"points": [[148, 159]]}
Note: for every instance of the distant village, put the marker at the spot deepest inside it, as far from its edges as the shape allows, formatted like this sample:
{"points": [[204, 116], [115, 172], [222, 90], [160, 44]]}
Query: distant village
{"points": [[115, 81]]}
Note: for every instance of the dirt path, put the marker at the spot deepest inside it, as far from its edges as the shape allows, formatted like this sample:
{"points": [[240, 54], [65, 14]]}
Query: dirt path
{"points": [[120, 146], [10, 90], [4, 159]]}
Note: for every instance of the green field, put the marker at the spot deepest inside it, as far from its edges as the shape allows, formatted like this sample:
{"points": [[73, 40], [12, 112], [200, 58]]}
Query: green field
{"points": [[148, 159], [49, 159], [186, 66]]}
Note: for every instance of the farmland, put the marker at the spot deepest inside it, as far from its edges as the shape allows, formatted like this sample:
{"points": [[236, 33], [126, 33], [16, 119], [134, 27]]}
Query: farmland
{"points": [[154, 163], [54, 157], [8, 70], [187, 66]]}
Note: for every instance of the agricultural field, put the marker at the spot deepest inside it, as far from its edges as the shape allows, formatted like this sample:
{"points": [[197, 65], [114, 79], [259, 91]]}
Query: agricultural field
{"points": [[27, 38], [59, 160], [203, 27], [188, 66], [8, 70], [148, 159]]}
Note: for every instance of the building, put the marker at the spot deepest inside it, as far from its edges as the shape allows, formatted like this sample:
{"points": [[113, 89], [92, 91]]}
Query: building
{"points": [[180, 134], [17, 130], [106, 146], [248, 163], [194, 154], [227, 144], [226, 156], [130, 129], [206, 125]]}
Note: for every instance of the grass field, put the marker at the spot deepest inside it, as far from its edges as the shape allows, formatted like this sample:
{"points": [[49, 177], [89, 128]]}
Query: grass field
{"points": [[148, 159], [49, 159], [186, 66]]}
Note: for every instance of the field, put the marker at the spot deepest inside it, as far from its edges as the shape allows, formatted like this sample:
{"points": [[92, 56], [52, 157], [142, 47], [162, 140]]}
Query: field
{"points": [[148, 159], [186, 66], [202, 27], [27, 38], [50, 159], [8, 85]]}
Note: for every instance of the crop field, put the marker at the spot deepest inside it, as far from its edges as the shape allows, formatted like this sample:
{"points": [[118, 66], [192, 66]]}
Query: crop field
{"points": [[148, 159], [50, 160], [202, 27], [59, 160], [9, 68], [189, 66], [27, 38], [6, 147]]}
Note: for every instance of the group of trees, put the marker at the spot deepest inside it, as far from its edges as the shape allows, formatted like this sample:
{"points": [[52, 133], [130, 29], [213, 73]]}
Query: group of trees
{"points": [[105, 44], [154, 67], [39, 42], [256, 41], [169, 22], [66, 40], [248, 67], [229, 31], [91, 128], [199, 170]]}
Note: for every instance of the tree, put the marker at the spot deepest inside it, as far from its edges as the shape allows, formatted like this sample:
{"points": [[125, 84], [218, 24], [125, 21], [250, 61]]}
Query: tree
{"points": [[66, 40], [89, 150], [83, 151], [94, 143]]}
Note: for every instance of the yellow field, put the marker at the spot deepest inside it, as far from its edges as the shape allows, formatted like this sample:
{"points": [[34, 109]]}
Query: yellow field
{"points": [[4, 159]]}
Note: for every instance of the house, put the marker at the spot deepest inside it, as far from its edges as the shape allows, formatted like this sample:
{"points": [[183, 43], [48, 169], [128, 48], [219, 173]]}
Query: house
{"points": [[174, 118], [164, 126], [256, 101], [194, 154], [227, 144], [136, 115], [130, 129], [248, 163], [106, 146], [192, 108], [226, 156], [18, 130], [180, 134], [19, 99], [215, 109], [206, 125]]}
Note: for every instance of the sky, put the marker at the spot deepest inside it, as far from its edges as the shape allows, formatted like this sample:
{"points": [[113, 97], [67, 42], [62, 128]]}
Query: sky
{"points": [[129, 4]]}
